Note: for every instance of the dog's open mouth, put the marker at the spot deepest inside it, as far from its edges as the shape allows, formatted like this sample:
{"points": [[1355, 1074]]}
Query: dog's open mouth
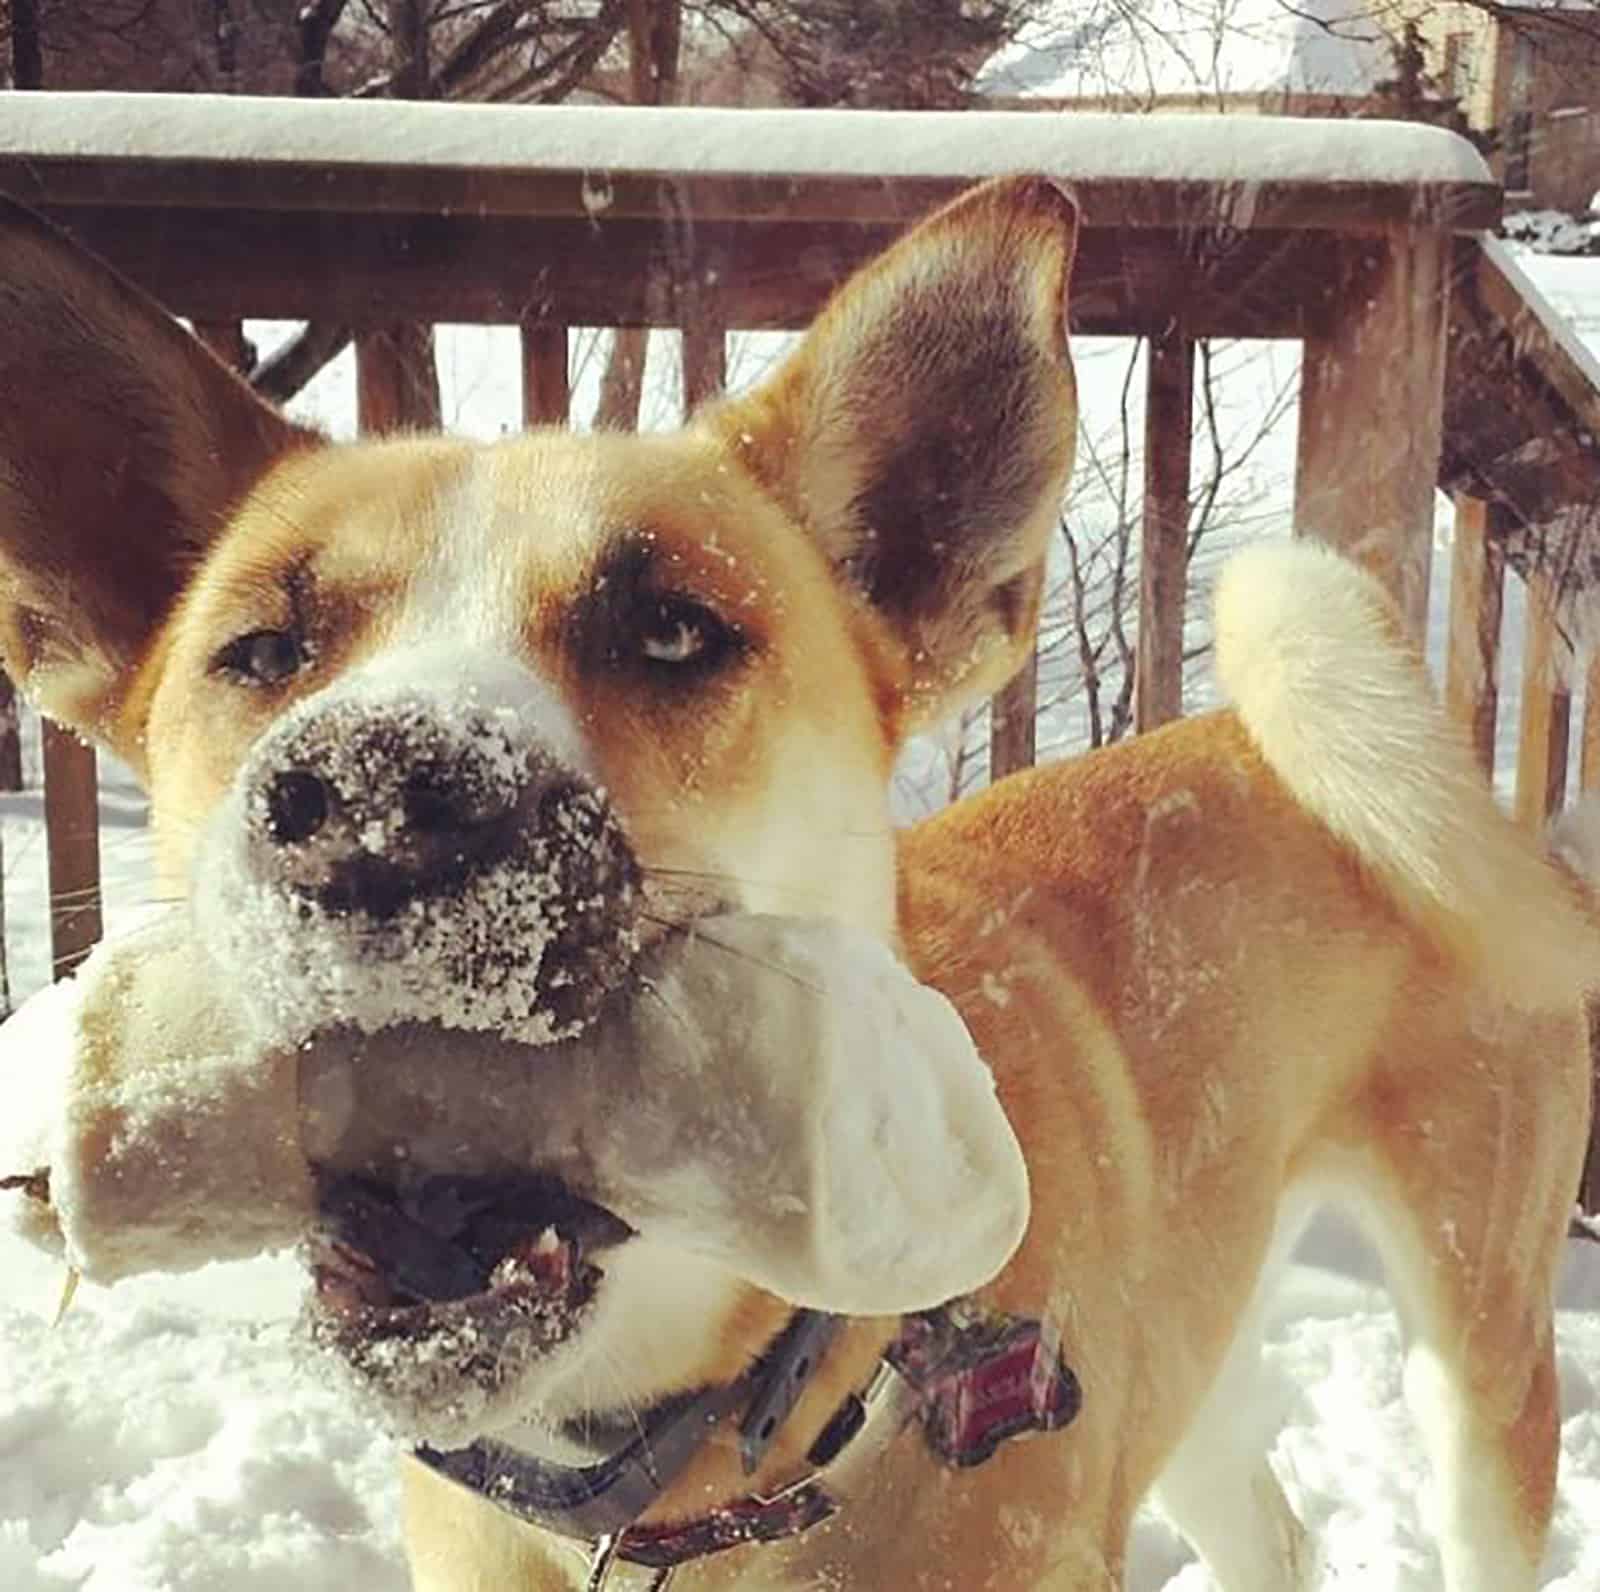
{"points": [[461, 1281], [400, 1262]]}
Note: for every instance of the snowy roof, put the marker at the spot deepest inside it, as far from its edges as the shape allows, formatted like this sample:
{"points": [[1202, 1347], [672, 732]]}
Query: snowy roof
{"points": [[125, 149], [1139, 54]]}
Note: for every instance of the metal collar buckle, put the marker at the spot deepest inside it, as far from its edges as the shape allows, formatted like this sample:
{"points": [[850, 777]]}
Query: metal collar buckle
{"points": [[607, 1554], [847, 1444]]}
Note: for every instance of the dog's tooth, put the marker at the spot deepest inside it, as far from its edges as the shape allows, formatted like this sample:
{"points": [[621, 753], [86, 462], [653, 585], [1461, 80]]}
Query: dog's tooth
{"points": [[547, 1243]]}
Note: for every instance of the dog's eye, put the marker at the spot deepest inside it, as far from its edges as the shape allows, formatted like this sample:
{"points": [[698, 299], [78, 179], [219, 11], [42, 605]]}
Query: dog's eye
{"points": [[262, 657], [679, 631]]}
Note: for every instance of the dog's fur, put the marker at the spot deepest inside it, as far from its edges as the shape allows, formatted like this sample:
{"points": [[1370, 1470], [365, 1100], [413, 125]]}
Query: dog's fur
{"points": [[1253, 961]]}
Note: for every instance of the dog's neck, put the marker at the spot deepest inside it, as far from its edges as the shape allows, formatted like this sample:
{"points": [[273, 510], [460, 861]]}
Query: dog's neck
{"points": [[974, 1377], [751, 1436]]}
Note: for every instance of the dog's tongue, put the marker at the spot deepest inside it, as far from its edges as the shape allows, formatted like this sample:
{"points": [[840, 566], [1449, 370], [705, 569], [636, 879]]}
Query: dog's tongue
{"points": [[783, 1099]]}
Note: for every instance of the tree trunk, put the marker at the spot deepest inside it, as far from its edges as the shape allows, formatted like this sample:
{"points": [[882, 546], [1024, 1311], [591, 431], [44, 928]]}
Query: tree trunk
{"points": [[397, 376], [654, 29], [622, 381], [27, 54], [225, 33], [316, 22], [408, 44], [284, 372]]}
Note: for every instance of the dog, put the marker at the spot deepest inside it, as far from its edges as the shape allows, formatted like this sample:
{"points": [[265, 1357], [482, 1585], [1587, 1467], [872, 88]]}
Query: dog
{"points": [[1278, 955]]}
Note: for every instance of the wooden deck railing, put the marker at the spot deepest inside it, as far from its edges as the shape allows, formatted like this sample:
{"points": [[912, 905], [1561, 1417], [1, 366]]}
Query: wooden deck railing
{"points": [[1427, 360]]}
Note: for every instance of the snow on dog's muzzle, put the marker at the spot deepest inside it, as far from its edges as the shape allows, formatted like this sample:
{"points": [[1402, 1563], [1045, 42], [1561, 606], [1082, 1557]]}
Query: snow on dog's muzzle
{"points": [[394, 849], [776, 1095]]}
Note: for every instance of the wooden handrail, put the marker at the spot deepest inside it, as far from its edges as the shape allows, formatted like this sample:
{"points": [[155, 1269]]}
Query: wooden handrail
{"points": [[745, 166]]}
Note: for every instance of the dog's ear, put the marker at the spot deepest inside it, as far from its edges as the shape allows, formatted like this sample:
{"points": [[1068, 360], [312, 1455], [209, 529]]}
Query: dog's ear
{"points": [[923, 432], [123, 445]]}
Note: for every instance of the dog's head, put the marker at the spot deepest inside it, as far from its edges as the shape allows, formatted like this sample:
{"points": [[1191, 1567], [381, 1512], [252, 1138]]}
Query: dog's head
{"points": [[445, 732]]}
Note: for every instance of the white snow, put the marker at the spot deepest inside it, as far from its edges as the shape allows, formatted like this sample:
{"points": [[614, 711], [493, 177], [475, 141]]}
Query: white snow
{"points": [[171, 1438], [1205, 50], [1526, 281], [1549, 231], [539, 142]]}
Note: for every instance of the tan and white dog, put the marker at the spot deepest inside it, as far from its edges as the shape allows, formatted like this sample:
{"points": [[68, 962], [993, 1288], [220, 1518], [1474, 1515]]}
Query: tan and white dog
{"points": [[1260, 959]]}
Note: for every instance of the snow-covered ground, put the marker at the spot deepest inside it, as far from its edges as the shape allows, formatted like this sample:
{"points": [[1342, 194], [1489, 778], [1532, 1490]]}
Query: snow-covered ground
{"points": [[169, 1437]]}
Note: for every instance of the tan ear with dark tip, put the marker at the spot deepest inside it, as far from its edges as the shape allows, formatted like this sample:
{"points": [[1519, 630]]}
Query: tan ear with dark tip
{"points": [[923, 431], [124, 446]]}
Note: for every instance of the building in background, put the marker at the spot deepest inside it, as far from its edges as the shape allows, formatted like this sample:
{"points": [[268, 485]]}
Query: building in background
{"points": [[1522, 79], [1531, 74]]}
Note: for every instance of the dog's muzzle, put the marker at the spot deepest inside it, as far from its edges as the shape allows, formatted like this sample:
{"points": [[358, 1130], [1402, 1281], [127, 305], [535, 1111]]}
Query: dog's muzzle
{"points": [[409, 854]]}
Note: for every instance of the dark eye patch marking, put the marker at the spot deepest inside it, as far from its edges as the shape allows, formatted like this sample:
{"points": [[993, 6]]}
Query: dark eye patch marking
{"points": [[639, 615], [273, 653]]}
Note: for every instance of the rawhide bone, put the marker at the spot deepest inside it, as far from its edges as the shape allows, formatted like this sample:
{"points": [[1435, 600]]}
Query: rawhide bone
{"points": [[775, 1094]]}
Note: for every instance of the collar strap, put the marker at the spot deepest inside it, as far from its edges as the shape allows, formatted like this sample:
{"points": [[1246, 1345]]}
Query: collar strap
{"points": [[603, 1499], [746, 1520], [857, 1433], [976, 1377]]}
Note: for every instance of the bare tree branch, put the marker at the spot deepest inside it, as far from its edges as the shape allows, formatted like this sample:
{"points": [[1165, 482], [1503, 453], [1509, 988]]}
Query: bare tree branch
{"points": [[316, 22], [286, 371]]}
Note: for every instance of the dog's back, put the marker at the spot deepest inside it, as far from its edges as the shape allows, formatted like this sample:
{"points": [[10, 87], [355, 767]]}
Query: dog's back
{"points": [[1253, 962]]}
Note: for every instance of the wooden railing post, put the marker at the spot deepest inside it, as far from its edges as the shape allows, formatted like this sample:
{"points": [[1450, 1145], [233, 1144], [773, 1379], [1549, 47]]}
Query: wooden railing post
{"points": [[397, 383], [1372, 411], [1589, 1180], [546, 393], [705, 361], [1546, 710], [1477, 591], [227, 341], [72, 840], [1589, 749], [1164, 534]]}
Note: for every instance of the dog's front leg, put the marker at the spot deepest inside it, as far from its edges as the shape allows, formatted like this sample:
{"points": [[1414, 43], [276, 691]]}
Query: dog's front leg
{"points": [[458, 1543]]}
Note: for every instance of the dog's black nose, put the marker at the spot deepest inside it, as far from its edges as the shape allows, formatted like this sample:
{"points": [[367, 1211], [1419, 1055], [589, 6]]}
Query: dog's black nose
{"points": [[426, 853], [439, 798], [369, 812]]}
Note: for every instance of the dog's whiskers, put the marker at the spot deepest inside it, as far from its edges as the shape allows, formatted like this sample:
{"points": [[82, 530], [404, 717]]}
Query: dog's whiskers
{"points": [[651, 991], [687, 878], [739, 953], [69, 1292]]}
